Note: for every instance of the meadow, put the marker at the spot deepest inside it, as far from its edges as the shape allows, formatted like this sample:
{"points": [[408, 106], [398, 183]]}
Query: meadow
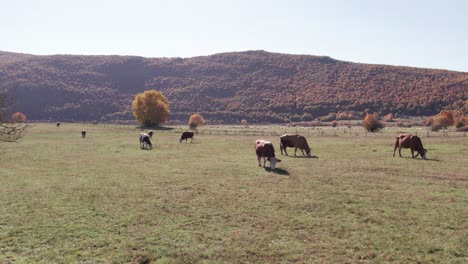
{"points": [[101, 199]]}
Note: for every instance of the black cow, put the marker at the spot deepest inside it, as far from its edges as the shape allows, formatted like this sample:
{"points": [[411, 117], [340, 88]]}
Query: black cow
{"points": [[186, 135], [83, 133]]}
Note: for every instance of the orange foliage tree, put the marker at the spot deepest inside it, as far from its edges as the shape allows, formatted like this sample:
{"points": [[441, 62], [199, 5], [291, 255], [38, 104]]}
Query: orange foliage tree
{"points": [[443, 120], [244, 122], [196, 120], [151, 108], [371, 123], [388, 117], [18, 117]]}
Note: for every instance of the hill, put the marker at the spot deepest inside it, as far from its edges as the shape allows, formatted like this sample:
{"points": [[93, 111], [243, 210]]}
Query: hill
{"points": [[256, 85]]}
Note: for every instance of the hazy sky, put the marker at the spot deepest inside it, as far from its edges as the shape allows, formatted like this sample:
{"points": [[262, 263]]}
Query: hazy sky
{"points": [[420, 33]]}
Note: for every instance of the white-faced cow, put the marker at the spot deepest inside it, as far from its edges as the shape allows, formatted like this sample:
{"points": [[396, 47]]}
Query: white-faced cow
{"points": [[83, 133], [145, 142], [412, 142], [264, 149], [186, 135], [294, 141]]}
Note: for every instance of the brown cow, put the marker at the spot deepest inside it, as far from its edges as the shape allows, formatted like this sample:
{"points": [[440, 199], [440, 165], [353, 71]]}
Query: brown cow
{"points": [[265, 150], [294, 141], [412, 142]]}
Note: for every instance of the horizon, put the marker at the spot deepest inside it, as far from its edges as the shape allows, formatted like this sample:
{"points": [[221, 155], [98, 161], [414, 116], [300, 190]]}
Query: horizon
{"points": [[421, 34], [227, 52]]}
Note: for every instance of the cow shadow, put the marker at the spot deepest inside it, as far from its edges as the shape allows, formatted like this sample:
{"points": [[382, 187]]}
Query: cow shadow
{"points": [[303, 157], [277, 171], [418, 158]]}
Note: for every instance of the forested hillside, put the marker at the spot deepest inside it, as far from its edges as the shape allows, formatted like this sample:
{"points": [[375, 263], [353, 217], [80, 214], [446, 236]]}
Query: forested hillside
{"points": [[255, 85]]}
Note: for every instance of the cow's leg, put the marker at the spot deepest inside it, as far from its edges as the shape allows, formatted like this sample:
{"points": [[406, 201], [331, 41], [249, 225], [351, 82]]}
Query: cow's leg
{"points": [[295, 150], [396, 146], [264, 161], [285, 151], [281, 148], [302, 151], [259, 163], [412, 153], [399, 151], [191, 140]]}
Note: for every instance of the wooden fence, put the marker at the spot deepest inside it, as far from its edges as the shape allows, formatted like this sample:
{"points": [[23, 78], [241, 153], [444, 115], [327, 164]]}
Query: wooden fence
{"points": [[261, 131]]}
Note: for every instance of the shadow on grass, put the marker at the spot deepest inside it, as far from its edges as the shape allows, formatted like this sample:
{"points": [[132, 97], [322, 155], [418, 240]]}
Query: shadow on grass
{"points": [[156, 128], [418, 158], [277, 171], [304, 157]]}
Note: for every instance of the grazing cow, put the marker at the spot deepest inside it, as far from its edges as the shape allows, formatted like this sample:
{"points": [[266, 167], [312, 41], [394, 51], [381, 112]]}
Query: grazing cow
{"points": [[412, 142], [294, 141], [186, 135], [145, 142], [265, 150], [150, 133], [83, 133], [58, 124]]}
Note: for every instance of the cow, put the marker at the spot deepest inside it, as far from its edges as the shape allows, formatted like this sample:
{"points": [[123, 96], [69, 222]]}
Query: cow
{"points": [[264, 149], [83, 133], [294, 141], [186, 135], [58, 124], [412, 142], [145, 142]]}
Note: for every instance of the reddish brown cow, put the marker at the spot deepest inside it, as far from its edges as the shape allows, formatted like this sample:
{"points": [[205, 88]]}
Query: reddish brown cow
{"points": [[265, 150], [412, 142]]}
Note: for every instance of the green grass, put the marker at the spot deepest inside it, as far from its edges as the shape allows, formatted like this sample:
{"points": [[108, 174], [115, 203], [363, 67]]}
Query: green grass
{"points": [[102, 199]]}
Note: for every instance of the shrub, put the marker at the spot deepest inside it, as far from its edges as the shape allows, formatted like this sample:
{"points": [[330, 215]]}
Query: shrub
{"points": [[330, 117], [388, 117], [371, 123], [196, 120], [334, 123], [443, 120], [461, 121], [18, 117]]}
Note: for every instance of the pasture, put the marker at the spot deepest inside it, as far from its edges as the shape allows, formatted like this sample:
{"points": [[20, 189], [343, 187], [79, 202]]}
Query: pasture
{"points": [[101, 199]]}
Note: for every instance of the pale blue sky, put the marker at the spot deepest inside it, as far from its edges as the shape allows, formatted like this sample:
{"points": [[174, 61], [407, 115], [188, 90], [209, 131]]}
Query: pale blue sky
{"points": [[429, 34]]}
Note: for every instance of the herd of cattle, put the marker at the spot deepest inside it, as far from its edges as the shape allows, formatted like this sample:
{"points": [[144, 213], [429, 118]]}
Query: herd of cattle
{"points": [[264, 149]]}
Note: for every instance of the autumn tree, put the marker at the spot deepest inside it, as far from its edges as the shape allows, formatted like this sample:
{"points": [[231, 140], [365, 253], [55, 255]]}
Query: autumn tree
{"points": [[244, 122], [150, 108], [443, 120], [371, 123], [196, 120], [18, 117]]}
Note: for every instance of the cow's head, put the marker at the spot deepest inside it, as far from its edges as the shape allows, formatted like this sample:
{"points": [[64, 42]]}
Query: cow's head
{"points": [[308, 150], [273, 161], [423, 154], [180, 140]]}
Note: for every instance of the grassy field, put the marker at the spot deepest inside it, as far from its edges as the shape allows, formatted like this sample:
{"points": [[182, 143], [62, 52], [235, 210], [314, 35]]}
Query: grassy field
{"points": [[65, 199]]}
